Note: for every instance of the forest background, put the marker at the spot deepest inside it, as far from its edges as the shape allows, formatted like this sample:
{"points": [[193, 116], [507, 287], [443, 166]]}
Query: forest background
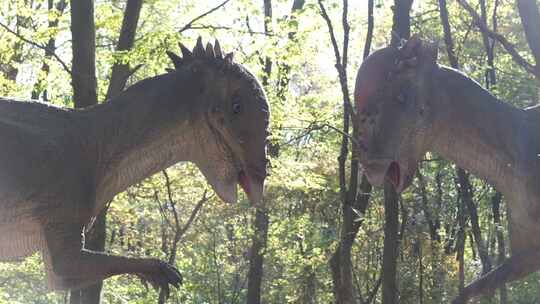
{"points": [[323, 235]]}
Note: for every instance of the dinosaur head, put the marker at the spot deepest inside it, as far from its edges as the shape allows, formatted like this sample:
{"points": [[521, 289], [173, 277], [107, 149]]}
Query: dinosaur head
{"points": [[232, 117], [392, 96]]}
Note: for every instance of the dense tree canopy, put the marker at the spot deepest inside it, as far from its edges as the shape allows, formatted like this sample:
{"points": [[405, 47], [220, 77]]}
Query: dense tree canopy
{"points": [[452, 226]]}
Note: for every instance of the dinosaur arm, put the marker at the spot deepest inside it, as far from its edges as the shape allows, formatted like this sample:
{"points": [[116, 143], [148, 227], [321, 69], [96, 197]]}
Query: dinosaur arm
{"points": [[75, 267], [514, 268], [525, 259]]}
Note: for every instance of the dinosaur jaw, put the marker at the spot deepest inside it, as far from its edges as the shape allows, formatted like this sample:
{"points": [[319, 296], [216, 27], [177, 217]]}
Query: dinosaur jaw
{"points": [[375, 170], [398, 173], [226, 192], [251, 187]]}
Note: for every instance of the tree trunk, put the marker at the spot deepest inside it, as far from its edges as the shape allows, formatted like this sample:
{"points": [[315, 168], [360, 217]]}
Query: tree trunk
{"points": [[491, 80], [390, 251], [443, 10], [354, 194], [369, 34], [467, 197], [121, 71], [84, 53], [256, 256], [260, 224], [501, 256], [400, 30], [85, 94], [465, 189], [460, 235], [401, 26], [94, 240], [460, 246], [340, 262]]}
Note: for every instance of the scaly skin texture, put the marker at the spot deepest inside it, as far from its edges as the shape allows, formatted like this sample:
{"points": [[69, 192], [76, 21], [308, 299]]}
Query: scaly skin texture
{"points": [[407, 104], [59, 167]]}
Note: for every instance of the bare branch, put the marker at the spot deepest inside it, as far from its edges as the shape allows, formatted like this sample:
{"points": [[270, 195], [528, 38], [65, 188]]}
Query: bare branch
{"points": [[134, 70], [162, 210], [190, 23], [369, 35], [346, 30], [172, 203], [121, 71], [447, 35], [43, 47], [193, 215], [326, 18], [228, 28], [178, 231], [508, 46], [347, 107]]}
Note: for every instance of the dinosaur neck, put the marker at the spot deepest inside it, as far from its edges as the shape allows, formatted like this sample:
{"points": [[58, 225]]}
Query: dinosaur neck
{"points": [[137, 136], [477, 131]]}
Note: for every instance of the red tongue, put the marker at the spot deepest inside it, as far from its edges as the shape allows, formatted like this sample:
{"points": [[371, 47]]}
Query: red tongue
{"points": [[393, 174], [244, 182]]}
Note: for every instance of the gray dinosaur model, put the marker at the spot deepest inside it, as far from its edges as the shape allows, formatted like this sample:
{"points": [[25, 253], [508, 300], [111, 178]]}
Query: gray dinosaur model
{"points": [[59, 167], [407, 104]]}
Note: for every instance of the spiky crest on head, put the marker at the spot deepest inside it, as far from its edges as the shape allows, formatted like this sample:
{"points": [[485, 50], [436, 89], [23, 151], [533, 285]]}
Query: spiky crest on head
{"points": [[211, 52], [214, 55]]}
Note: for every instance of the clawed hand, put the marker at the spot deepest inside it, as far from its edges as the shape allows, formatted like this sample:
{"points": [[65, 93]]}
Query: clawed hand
{"points": [[163, 275]]}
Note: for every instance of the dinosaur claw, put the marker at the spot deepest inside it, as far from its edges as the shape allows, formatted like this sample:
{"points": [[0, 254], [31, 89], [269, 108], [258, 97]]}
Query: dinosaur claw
{"points": [[144, 282], [161, 276]]}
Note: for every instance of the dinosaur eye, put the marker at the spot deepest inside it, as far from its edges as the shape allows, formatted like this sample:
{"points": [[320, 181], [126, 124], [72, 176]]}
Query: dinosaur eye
{"points": [[236, 105]]}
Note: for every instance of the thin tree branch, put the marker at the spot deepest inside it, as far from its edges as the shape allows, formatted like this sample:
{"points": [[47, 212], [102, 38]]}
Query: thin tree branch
{"points": [[190, 23], [43, 47], [193, 214], [317, 126], [346, 103], [178, 230], [121, 71], [369, 35], [326, 18], [508, 46], [346, 30], [447, 34], [229, 28], [171, 201]]}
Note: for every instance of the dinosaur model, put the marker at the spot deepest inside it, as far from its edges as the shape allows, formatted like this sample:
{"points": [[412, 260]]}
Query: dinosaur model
{"points": [[59, 167], [407, 104]]}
